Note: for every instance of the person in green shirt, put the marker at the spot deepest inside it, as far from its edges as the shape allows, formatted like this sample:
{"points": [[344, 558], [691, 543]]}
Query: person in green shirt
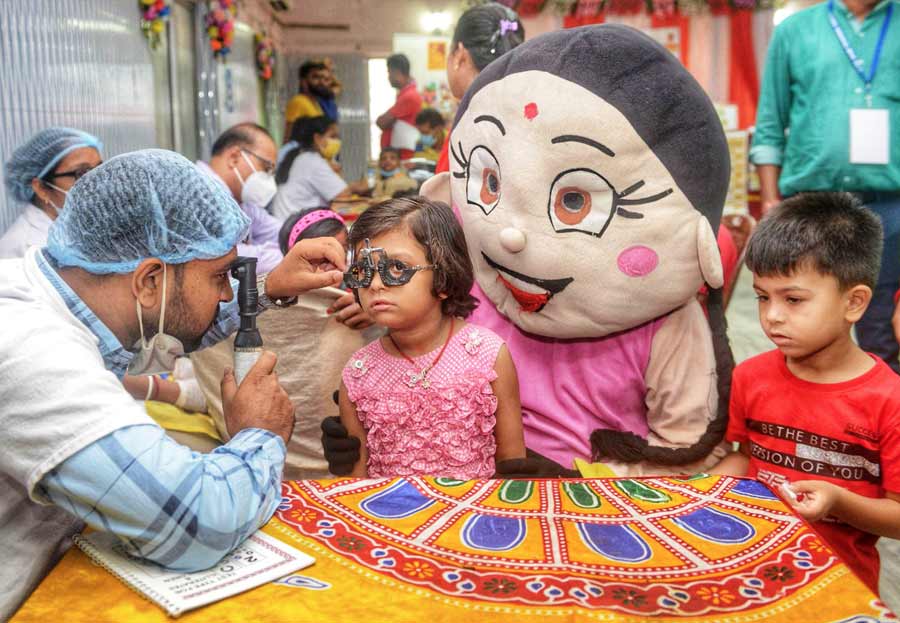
{"points": [[829, 119]]}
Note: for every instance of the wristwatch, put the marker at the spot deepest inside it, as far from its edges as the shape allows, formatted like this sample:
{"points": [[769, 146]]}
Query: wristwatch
{"points": [[263, 301]]}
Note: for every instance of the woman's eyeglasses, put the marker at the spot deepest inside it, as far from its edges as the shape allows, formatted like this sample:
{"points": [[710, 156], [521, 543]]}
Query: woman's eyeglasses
{"points": [[76, 174]]}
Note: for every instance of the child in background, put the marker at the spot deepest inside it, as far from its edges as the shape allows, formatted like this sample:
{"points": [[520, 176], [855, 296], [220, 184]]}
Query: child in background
{"points": [[435, 396], [818, 418], [391, 177], [430, 124], [312, 223]]}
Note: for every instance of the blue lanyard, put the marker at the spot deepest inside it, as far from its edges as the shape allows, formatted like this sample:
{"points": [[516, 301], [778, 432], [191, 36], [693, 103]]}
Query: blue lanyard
{"points": [[854, 59]]}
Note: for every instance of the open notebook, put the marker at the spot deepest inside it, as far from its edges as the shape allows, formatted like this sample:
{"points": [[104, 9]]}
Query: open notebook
{"points": [[259, 559]]}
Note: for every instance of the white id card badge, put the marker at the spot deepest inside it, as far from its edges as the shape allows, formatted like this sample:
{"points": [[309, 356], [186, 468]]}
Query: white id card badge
{"points": [[869, 136]]}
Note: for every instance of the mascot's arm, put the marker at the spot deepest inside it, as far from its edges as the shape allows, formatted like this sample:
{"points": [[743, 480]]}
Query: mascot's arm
{"points": [[350, 420], [682, 396], [681, 379], [508, 430]]}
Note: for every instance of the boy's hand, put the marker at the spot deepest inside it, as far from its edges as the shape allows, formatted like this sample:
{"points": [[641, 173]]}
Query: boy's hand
{"points": [[815, 498]]}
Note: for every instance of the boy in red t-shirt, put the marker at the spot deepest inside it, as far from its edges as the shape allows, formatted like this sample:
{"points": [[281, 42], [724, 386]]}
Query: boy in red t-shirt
{"points": [[819, 418]]}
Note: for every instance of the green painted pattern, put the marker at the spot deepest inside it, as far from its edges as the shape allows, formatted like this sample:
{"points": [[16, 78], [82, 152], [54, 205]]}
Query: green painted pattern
{"points": [[448, 482], [639, 491], [581, 495], [516, 491]]}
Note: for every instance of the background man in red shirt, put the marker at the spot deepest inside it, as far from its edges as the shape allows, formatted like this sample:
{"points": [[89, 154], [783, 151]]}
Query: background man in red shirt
{"points": [[405, 109]]}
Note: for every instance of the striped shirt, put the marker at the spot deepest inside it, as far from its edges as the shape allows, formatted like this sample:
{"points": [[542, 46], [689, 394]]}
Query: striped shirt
{"points": [[179, 508]]}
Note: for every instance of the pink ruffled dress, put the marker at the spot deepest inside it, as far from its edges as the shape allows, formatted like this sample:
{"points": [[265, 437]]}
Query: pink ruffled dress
{"points": [[442, 426]]}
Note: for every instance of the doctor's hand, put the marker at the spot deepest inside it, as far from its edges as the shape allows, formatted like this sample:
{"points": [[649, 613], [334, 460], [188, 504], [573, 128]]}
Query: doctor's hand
{"points": [[350, 313], [310, 264], [259, 402]]}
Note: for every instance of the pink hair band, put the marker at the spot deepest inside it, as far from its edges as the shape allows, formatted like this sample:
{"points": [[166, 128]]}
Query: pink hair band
{"points": [[309, 219]]}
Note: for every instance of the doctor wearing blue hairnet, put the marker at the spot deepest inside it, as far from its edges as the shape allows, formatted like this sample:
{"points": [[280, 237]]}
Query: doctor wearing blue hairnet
{"points": [[134, 273], [38, 176]]}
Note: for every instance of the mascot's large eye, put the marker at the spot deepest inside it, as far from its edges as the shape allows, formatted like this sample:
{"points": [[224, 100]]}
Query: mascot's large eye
{"points": [[483, 184], [580, 200]]}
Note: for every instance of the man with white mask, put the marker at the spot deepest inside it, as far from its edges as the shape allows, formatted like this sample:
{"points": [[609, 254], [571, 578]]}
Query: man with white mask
{"points": [[243, 159], [145, 242]]}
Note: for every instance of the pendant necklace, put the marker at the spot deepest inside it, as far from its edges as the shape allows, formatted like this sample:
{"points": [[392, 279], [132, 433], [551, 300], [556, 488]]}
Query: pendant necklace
{"points": [[420, 378]]}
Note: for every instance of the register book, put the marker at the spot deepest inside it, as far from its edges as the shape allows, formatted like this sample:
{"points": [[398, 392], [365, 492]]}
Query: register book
{"points": [[259, 559]]}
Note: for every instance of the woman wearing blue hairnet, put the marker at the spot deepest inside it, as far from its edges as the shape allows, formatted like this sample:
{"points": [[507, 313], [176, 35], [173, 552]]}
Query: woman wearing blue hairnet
{"points": [[40, 174]]}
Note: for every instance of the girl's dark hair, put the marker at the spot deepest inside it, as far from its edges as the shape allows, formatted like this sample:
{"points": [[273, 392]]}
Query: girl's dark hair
{"points": [[303, 132], [320, 229], [434, 226], [478, 29]]}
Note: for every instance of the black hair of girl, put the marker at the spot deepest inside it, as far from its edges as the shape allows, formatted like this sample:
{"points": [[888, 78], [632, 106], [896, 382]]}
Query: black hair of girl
{"points": [[478, 29], [303, 132], [435, 227], [325, 228]]}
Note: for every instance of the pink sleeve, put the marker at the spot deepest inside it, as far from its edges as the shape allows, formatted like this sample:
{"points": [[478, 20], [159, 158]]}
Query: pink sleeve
{"points": [[355, 370], [728, 252]]}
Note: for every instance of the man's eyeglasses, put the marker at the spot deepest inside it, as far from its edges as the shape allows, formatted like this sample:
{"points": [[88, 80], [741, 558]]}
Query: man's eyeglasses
{"points": [[268, 165], [76, 174], [393, 272]]}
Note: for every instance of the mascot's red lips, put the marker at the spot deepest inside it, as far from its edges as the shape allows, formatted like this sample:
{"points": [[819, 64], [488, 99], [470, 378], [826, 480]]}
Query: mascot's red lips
{"points": [[529, 301]]}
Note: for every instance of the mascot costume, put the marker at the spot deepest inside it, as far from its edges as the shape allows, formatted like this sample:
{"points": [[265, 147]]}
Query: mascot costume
{"points": [[589, 170]]}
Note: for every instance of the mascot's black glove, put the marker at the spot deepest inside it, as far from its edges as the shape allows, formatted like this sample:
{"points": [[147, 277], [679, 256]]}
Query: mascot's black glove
{"points": [[341, 450], [532, 466]]}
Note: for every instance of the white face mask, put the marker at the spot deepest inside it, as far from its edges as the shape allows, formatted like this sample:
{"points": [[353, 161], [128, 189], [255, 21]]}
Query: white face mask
{"points": [[259, 187], [55, 207], [160, 352]]}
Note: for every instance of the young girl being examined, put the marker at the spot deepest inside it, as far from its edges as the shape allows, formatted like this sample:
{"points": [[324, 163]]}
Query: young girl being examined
{"points": [[435, 396]]}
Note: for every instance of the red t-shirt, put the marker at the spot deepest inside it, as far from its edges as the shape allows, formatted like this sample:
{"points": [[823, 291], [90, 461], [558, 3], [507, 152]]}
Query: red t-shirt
{"points": [[845, 433], [407, 106], [443, 163]]}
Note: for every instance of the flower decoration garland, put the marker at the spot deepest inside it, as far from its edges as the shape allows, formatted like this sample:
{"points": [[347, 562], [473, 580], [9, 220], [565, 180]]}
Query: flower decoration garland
{"points": [[587, 9], [154, 14], [220, 26], [265, 56]]}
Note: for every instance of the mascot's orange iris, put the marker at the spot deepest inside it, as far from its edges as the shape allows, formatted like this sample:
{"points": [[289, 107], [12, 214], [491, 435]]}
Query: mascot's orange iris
{"points": [[490, 186], [572, 205]]}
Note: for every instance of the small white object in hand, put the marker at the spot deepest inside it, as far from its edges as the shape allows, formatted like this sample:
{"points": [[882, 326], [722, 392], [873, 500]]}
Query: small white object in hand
{"points": [[788, 491]]}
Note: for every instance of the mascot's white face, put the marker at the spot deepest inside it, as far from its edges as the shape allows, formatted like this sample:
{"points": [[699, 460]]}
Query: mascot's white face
{"points": [[574, 226]]}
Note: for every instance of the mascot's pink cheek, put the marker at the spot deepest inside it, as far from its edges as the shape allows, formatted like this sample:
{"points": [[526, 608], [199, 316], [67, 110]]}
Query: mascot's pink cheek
{"points": [[638, 261]]}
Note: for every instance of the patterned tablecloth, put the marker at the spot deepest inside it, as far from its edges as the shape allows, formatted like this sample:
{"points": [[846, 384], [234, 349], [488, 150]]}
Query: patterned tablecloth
{"points": [[426, 550]]}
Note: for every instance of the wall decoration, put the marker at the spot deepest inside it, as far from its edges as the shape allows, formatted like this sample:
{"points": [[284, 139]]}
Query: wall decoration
{"points": [[220, 26], [589, 11], [437, 56], [154, 14], [265, 56]]}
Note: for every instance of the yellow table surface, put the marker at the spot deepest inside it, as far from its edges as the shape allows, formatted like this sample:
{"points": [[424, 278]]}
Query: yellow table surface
{"points": [[343, 524]]}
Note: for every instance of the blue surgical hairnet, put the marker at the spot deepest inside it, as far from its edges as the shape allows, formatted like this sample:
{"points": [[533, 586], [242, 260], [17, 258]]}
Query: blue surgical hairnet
{"points": [[150, 203], [40, 155]]}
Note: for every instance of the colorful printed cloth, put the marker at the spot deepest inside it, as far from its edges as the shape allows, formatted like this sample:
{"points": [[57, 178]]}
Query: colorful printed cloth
{"points": [[439, 550]]}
